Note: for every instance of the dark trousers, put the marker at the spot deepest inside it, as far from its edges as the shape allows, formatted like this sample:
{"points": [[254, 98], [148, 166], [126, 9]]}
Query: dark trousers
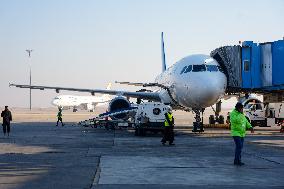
{"points": [[239, 141], [59, 119], [6, 127], [168, 135]]}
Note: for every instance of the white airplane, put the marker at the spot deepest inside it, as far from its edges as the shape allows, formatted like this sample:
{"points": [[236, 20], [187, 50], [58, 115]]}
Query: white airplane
{"points": [[193, 83], [82, 102]]}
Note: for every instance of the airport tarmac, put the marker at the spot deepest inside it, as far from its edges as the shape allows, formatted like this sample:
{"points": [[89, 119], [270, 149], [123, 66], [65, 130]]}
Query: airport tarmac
{"points": [[40, 155]]}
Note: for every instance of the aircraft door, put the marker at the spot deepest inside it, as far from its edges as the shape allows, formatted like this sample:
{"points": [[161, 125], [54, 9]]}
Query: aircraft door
{"points": [[266, 64], [246, 67]]}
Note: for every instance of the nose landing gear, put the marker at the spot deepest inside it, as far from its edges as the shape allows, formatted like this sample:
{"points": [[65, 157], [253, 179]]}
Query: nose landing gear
{"points": [[198, 124]]}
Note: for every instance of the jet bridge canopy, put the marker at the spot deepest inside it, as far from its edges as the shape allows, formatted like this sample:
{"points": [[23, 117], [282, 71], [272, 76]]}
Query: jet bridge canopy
{"points": [[253, 67]]}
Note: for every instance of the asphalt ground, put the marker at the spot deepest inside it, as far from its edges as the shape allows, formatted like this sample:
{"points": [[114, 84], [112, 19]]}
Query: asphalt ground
{"points": [[41, 155]]}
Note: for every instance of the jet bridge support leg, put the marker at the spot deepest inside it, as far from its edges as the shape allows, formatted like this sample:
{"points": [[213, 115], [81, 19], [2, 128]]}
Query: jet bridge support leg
{"points": [[198, 124]]}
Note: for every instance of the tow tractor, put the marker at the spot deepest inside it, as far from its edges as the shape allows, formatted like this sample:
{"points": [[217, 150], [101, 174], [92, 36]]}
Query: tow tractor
{"points": [[150, 116], [260, 114]]}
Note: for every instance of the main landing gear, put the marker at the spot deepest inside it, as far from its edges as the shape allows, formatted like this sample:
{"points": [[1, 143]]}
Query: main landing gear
{"points": [[198, 124], [217, 118]]}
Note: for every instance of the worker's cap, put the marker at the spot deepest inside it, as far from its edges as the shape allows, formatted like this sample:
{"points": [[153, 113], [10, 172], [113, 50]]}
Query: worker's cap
{"points": [[6, 106], [239, 105], [169, 109]]}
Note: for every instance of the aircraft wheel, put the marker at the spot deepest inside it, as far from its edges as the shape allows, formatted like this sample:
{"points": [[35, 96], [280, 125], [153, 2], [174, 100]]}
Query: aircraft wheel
{"points": [[211, 119], [221, 119]]}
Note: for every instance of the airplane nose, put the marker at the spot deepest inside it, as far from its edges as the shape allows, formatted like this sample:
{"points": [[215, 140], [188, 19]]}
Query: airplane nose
{"points": [[54, 102], [211, 94], [212, 91], [201, 92]]}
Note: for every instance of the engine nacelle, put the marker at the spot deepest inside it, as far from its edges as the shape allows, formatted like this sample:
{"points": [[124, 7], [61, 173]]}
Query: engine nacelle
{"points": [[119, 103]]}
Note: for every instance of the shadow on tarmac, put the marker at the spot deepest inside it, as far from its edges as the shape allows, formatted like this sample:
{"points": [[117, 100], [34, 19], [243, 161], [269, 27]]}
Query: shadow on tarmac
{"points": [[41, 155]]}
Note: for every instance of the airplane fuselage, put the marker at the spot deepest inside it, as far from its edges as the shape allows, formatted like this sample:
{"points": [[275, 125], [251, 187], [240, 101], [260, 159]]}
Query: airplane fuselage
{"points": [[85, 102], [196, 81]]}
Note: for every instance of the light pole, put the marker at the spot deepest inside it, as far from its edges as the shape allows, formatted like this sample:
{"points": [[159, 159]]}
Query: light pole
{"points": [[30, 64]]}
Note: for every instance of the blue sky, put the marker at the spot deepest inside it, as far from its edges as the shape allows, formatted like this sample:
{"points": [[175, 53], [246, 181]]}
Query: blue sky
{"points": [[87, 43]]}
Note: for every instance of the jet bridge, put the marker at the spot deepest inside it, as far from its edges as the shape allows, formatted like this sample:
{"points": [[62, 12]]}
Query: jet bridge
{"points": [[253, 67]]}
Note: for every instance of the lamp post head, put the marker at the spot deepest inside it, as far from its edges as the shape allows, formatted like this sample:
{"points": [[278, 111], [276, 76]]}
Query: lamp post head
{"points": [[29, 51]]}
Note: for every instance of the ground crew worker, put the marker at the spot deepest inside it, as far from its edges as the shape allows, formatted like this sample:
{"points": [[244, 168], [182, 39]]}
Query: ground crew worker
{"points": [[7, 118], [239, 125], [59, 117], [228, 120], [168, 128], [282, 126]]}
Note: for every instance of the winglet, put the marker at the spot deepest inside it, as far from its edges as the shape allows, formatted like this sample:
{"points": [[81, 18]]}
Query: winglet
{"points": [[108, 86], [164, 67]]}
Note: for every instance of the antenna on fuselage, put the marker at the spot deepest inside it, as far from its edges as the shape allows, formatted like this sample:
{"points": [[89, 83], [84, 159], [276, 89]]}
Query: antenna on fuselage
{"points": [[164, 67]]}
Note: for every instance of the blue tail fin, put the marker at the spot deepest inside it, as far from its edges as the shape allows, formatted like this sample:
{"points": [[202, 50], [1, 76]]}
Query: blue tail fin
{"points": [[164, 67]]}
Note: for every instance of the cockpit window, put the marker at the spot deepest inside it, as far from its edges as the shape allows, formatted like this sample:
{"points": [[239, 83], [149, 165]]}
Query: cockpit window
{"points": [[188, 69], [221, 69], [199, 68], [183, 69], [212, 68]]}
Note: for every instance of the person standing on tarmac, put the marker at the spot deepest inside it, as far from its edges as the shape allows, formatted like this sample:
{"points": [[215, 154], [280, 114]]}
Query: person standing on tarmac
{"points": [[239, 125], [59, 117], [7, 118], [168, 128]]}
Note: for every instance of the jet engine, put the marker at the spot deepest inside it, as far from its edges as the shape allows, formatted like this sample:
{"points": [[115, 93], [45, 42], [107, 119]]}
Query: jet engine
{"points": [[119, 103]]}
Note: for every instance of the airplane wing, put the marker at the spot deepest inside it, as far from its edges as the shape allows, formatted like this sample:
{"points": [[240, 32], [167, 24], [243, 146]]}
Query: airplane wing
{"points": [[138, 84], [143, 95]]}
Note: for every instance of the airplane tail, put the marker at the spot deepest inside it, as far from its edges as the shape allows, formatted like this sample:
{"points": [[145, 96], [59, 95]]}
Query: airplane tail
{"points": [[164, 67], [106, 96]]}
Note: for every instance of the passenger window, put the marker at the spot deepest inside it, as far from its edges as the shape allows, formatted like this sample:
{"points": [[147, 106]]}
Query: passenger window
{"points": [[212, 68], [199, 68], [188, 69], [246, 65], [183, 69]]}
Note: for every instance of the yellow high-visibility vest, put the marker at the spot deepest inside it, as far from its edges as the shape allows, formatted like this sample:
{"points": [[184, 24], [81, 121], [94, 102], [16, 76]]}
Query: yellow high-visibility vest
{"points": [[170, 116], [59, 114]]}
